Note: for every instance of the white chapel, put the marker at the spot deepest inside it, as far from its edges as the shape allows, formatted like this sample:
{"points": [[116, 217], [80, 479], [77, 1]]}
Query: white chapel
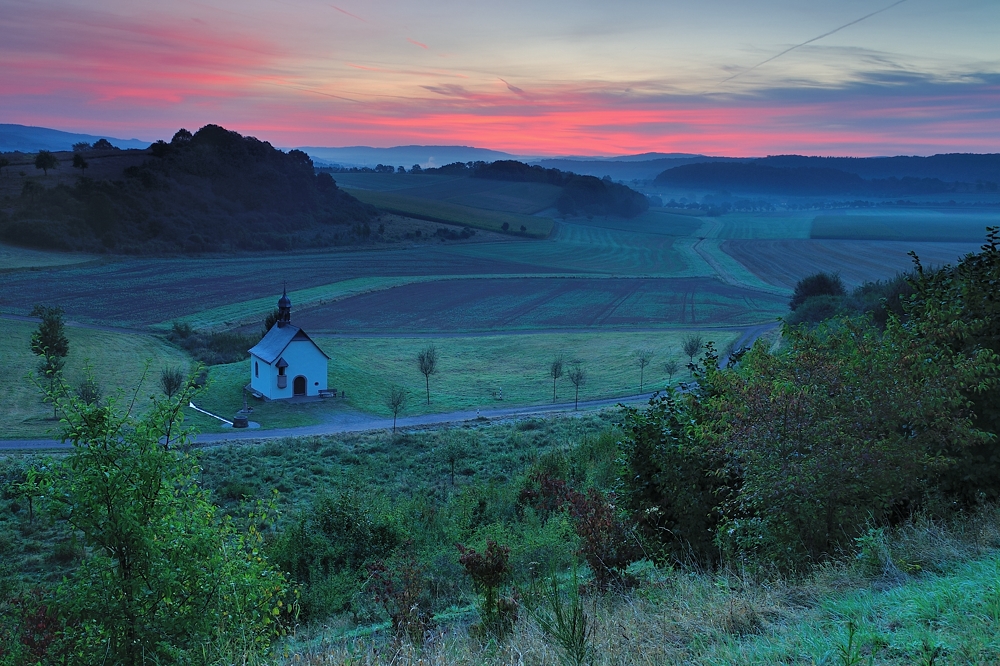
{"points": [[286, 363]]}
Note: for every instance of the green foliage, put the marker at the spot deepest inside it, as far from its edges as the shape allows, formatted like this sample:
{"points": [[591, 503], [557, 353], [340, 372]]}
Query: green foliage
{"points": [[819, 284], [217, 191], [213, 347], [50, 338], [166, 579], [489, 571], [562, 618], [671, 488], [45, 160], [956, 308], [786, 457], [327, 546]]}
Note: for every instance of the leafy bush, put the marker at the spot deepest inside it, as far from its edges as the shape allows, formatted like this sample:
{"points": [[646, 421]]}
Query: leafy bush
{"points": [[327, 547], [789, 456], [820, 284], [165, 579]]}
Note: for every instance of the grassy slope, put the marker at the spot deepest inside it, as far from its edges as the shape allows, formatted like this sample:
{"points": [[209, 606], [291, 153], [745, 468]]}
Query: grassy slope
{"points": [[118, 361], [13, 258], [471, 369], [442, 211]]}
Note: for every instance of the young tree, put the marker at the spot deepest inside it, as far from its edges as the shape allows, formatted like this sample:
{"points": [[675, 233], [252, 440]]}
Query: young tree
{"points": [[166, 579], [4, 162], [80, 163], [270, 320], [395, 400], [671, 367], [643, 357], [555, 371], [427, 362], [45, 160], [692, 345], [50, 342], [171, 381], [577, 377]]}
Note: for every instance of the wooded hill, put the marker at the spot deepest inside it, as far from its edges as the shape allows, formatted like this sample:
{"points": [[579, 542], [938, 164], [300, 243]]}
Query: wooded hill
{"points": [[212, 191], [819, 176], [582, 195]]}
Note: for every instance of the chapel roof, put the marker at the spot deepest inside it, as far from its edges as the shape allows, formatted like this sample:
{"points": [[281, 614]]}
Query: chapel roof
{"points": [[277, 340]]}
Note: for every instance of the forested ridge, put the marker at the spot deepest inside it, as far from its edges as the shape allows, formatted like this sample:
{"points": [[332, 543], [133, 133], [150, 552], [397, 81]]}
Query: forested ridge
{"points": [[581, 195], [818, 179], [213, 191]]}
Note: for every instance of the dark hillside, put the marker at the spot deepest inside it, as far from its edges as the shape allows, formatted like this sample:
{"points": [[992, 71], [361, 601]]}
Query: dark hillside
{"points": [[582, 195], [960, 167], [800, 181], [212, 191]]}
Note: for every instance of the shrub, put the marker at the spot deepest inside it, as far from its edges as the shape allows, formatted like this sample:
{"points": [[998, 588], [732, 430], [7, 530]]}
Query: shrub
{"points": [[819, 284], [489, 571], [326, 548], [402, 592]]}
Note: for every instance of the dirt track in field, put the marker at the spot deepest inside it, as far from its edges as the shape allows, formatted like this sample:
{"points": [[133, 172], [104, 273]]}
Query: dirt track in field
{"points": [[784, 262]]}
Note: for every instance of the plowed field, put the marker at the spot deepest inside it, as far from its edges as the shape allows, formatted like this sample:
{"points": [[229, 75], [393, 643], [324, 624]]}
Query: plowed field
{"points": [[543, 303], [785, 262]]}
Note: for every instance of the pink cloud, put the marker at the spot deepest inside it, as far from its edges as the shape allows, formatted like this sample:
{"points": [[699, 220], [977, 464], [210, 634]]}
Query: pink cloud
{"points": [[413, 41]]}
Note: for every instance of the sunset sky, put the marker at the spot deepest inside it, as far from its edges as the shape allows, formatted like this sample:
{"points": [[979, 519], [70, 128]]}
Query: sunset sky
{"points": [[539, 77]]}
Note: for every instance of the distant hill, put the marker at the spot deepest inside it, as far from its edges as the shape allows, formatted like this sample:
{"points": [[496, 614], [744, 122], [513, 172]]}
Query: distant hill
{"points": [[954, 167], [626, 169], [404, 156], [800, 176], [210, 192], [581, 195], [27, 139]]}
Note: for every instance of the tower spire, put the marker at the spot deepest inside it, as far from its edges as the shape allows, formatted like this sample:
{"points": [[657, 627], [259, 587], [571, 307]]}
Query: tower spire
{"points": [[284, 307]]}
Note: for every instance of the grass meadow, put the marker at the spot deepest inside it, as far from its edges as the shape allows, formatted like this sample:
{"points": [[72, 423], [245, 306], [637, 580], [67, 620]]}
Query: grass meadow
{"points": [[474, 371], [118, 361]]}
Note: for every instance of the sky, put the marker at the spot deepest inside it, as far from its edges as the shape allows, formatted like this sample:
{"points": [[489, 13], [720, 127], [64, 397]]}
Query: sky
{"points": [[531, 77]]}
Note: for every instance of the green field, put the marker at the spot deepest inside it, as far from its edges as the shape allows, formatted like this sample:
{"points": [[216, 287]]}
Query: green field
{"points": [[582, 290], [474, 370], [918, 225], [118, 361], [14, 258], [510, 197], [452, 213]]}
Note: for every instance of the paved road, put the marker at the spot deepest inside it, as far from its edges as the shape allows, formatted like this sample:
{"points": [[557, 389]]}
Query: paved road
{"points": [[361, 422]]}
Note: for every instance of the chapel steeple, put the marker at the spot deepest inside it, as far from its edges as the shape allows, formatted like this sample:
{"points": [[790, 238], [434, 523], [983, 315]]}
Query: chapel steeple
{"points": [[284, 308]]}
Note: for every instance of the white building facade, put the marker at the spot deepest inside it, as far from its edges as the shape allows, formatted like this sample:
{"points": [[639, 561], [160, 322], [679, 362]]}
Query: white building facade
{"points": [[286, 363]]}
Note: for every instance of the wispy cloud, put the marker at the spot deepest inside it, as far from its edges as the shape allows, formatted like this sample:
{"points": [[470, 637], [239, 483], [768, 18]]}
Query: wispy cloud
{"points": [[344, 11], [415, 42]]}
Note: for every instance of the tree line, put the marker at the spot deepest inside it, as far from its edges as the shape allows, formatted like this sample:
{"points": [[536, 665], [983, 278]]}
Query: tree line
{"points": [[210, 191]]}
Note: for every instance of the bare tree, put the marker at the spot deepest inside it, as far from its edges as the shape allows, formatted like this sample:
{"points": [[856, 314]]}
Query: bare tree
{"points": [[427, 362], [577, 377], [395, 400], [671, 367], [692, 345], [555, 371], [643, 357]]}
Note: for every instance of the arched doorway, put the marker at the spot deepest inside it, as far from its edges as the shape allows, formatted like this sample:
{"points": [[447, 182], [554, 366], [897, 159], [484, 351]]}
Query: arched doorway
{"points": [[299, 385]]}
